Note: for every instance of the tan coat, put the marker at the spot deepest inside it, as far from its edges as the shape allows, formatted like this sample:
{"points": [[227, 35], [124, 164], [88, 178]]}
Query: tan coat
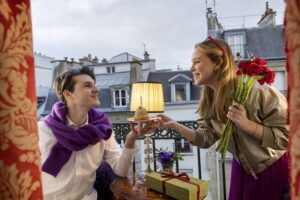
{"points": [[266, 106]]}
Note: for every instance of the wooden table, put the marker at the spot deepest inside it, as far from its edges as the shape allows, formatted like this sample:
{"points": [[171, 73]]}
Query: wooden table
{"points": [[134, 188]]}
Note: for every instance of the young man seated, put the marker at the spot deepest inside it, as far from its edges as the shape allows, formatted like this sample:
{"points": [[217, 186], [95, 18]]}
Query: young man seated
{"points": [[74, 138]]}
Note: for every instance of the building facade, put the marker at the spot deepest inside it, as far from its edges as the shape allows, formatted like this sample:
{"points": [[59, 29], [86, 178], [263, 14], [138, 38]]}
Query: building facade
{"points": [[115, 76]]}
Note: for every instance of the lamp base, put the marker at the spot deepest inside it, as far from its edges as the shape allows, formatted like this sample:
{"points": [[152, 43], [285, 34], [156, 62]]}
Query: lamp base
{"points": [[148, 141]]}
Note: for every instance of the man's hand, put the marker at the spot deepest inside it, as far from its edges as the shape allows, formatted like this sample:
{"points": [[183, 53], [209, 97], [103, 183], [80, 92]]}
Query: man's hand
{"points": [[137, 131]]}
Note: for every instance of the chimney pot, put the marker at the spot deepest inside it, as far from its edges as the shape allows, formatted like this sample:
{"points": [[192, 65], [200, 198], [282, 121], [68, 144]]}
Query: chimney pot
{"points": [[268, 17], [146, 55], [104, 60], [95, 59]]}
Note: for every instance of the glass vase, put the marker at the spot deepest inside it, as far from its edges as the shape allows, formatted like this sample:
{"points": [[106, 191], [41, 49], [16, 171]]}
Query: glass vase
{"points": [[168, 167]]}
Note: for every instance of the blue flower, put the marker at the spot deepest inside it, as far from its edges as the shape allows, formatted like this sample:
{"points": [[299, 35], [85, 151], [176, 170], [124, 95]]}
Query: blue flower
{"points": [[167, 158]]}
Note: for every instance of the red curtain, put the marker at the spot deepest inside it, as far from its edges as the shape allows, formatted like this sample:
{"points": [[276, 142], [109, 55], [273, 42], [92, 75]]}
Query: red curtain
{"points": [[292, 39], [19, 154]]}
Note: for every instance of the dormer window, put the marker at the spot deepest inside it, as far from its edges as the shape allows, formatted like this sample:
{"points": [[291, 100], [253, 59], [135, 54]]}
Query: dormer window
{"points": [[180, 92], [180, 88], [110, 69], [120, 97], [237, 45]]}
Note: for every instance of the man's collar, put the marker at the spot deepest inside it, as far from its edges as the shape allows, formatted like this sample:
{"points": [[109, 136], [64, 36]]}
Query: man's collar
{"points": [[73, 125]]}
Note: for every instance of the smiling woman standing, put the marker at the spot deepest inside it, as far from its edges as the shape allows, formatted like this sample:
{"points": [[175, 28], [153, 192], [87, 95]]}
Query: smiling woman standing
{"points": [[260, 137]]}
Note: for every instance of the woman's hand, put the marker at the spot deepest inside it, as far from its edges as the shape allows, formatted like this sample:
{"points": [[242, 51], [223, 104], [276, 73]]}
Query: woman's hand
{"points": [[238, 115], [165, 122]]}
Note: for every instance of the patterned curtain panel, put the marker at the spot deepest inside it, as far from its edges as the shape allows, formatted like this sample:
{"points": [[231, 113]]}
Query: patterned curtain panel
{"points": [[292, 39], [19, 154]]}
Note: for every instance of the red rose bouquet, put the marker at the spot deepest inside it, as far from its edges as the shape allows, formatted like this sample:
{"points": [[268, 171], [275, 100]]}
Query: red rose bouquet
{"points": [[249, 72]]}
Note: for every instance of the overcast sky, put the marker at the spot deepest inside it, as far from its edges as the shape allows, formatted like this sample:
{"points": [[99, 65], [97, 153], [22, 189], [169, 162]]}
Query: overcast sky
{"points": [[105, 28]]}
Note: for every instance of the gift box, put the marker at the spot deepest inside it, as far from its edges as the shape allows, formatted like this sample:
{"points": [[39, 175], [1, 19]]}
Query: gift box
{"points": [[178, 186]]}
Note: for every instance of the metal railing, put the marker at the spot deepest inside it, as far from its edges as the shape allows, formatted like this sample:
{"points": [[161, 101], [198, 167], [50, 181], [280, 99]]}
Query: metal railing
{"points": [[122, 129]]}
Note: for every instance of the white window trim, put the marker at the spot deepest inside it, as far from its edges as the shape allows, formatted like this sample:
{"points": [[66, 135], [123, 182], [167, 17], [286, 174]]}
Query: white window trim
{"points": [[110, 69], [120, 95], [187, 91], [242, 53], [191, 152]]}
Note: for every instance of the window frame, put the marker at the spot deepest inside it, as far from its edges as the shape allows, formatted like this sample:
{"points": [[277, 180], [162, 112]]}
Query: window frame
{"points": [[187, 89], [110, 69], [185, 150], [235, 45], [120, 97]]}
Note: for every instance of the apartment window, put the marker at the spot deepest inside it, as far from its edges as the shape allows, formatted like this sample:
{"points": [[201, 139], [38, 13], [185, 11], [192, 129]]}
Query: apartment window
{"points": [[236, 43], [180, 87], [120, 98], [180, 91], [183, 146], [110, 69]]}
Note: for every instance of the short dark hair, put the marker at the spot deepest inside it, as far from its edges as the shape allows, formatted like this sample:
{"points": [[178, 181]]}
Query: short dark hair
{"points": [[65, 80]]}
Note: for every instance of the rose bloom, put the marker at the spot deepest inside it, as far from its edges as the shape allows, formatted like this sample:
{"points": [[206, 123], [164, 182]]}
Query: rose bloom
{"points": [[269, 77], [255, 69], [252, 68]]}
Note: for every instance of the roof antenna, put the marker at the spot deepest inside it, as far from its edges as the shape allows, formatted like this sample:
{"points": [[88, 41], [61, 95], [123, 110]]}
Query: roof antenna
{"points": [[144, 45]]}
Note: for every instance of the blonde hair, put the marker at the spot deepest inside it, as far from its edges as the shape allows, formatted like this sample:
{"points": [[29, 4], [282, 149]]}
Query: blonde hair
{"points": [[214, 102]]}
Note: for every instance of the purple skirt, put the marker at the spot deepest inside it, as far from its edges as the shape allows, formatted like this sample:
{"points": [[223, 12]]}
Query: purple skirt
{"points": [[270, 184]]}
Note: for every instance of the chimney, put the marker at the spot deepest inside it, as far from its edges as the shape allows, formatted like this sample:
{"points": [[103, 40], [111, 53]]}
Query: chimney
{"points": [[95, 60], [72, 59], [214, 28], [268, 18], [104, 61], [146, 55], [89, 57], [135, 71]]}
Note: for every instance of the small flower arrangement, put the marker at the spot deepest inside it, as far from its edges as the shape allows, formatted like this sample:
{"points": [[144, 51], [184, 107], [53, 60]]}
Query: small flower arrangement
{"points": [[167, 158], [248, 73]]}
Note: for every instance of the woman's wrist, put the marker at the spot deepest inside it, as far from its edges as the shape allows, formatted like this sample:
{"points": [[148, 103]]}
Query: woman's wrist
{"points": [[255, 129], [177, 127]]}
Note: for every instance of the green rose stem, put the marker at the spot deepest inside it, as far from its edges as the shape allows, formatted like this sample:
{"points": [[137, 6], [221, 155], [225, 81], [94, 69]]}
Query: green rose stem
{"points": [[244, 85]]}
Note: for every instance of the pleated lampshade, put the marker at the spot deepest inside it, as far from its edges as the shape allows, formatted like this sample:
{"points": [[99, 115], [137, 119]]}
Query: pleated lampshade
{"points": [[148, 95]]}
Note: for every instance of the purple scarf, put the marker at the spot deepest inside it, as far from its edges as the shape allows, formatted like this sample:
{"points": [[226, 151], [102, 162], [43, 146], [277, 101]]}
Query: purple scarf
{"points": [[70, 139]]}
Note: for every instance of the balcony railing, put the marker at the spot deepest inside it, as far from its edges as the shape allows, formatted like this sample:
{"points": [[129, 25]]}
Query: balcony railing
{"points": [[122, 129]]}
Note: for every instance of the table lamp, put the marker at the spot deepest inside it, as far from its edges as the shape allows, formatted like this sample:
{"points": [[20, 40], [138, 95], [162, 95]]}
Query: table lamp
{"points": [[150, 96]]}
